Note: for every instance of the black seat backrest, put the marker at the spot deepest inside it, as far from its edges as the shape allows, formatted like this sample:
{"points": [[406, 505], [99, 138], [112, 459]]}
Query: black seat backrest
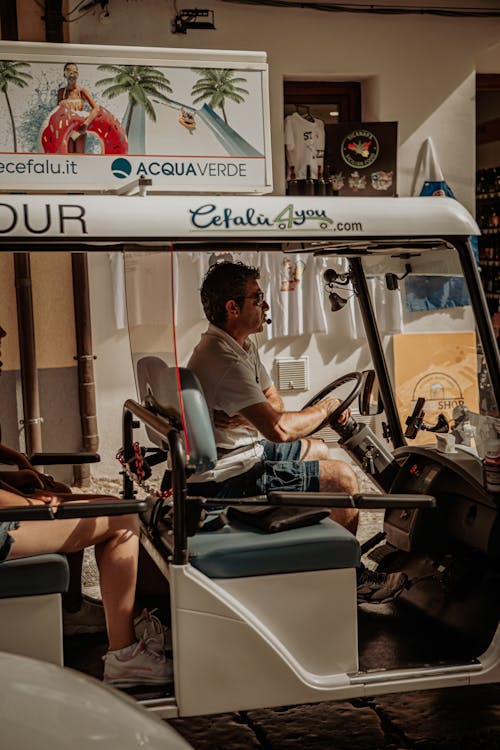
{"points": [[160, 384]]}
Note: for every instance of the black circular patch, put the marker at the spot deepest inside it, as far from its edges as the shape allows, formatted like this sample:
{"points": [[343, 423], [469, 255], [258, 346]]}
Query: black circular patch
{"points": [[359, 149]]}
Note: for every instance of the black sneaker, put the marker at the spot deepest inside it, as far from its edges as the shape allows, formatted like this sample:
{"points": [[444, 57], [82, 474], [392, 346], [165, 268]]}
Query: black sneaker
{"points": [[378, 588]]}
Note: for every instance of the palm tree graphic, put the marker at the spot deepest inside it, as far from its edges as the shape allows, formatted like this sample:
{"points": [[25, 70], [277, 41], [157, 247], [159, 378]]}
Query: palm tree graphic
{"points": [[139, 82], [217, 85], [11, 73]]}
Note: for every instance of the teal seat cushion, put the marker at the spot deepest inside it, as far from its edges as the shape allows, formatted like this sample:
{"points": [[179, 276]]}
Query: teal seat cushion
{"points": [[32, 576], [238, 551]]}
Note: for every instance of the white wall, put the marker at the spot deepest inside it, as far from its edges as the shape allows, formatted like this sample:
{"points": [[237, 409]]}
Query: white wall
{"points": [[418, 70]]}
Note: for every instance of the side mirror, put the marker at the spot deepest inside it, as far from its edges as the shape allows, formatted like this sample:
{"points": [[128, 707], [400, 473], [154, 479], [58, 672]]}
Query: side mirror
{"points": [[392, 280], [369, 402]]}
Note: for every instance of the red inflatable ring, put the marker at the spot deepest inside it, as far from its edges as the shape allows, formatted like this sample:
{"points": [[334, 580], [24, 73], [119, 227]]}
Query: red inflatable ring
{"points": [[62, 122]]}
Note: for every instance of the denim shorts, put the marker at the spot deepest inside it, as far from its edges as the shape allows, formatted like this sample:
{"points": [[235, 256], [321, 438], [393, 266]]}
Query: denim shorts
{"points": [[278, 469], [6, 541]]}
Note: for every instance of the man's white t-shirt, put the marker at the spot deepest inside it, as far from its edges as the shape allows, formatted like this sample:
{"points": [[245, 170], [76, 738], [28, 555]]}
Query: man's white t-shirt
{"points": [[304, 144], [232, 378]]}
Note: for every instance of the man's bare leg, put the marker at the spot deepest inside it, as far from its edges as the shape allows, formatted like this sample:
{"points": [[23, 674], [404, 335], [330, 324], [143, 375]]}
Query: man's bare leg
{"points": [[314, 450], [338, 476], [334, 476]]}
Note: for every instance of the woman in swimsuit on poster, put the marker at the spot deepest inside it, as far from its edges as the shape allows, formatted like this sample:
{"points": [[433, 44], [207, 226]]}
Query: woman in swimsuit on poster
{"points": [[75, 98]]}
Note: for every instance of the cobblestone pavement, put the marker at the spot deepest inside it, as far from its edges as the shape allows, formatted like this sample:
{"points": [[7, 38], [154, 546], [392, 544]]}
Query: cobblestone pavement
{"points": [[453, 719]]}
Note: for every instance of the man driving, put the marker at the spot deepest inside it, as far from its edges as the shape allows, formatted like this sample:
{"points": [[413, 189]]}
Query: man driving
{"points": [[245, 405]]}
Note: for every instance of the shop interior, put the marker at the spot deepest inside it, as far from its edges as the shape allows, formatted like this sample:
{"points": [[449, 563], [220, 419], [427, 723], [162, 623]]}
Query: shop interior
{"points": [[324, 104], [488, 189]]}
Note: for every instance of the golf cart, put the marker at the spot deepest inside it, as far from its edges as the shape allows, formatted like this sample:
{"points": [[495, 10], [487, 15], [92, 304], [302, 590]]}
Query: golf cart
{"points": [[266, 619]]}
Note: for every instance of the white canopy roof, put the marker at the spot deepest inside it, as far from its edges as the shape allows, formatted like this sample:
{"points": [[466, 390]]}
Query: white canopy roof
{"points": [[44, 218]]}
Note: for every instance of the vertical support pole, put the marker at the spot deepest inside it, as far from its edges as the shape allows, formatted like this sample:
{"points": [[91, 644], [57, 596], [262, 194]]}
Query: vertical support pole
{"points": [[128, 451], [85, 360], [377, 352], [179, 488], [29, 372]]}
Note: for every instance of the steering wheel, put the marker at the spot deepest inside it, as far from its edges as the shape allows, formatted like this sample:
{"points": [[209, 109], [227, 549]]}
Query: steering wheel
{"points": [[332, 419]]}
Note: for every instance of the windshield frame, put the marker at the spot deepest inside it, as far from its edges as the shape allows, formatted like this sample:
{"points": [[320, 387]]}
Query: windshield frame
{"points": [[482, 319]]}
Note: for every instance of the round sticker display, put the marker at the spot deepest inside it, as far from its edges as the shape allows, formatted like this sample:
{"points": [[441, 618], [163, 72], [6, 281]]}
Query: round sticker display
{"points": [[359, 149]]}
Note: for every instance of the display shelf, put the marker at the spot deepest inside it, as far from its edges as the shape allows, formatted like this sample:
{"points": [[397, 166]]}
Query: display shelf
{"points": [[487, 196]]}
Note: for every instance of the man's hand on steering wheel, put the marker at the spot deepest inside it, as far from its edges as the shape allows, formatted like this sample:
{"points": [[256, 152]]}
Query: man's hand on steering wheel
{"points": [[332, 404], [338, 411]]}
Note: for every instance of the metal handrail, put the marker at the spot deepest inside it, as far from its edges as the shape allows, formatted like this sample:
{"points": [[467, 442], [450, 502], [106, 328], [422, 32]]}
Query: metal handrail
{"points": [[176, 445]]}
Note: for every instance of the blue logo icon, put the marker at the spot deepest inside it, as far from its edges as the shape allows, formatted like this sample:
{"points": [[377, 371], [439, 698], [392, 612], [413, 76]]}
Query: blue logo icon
{"points": [[121, 168]]}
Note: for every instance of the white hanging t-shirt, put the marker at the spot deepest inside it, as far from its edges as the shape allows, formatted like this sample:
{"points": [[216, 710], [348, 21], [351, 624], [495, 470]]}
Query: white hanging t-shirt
{"points": [[305, 145], [293, 287], [117, 266], [388, 306], [348, 322], [141, 283], [148, 284]]}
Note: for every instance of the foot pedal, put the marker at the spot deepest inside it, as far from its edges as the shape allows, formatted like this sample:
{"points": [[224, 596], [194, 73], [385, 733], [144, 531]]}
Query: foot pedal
{"points": [[372, 542]]}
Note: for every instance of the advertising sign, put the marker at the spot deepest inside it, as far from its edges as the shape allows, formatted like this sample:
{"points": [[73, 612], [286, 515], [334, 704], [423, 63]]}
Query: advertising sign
{"points": [[362, 157], [86, 118], [446, 375]]}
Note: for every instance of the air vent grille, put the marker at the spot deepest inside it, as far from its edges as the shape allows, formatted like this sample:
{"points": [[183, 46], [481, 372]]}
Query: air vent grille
{"points": [[327, 435], [292, 373], [330, 436]]}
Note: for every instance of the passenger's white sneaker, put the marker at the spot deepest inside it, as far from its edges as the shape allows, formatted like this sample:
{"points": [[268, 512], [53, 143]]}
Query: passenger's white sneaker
{"points": [[149, 628], [136, 665]]}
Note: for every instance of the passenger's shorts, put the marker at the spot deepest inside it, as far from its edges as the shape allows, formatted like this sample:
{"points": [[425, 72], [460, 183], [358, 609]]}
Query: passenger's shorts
{"points": [[6, 541], [279, 469]]}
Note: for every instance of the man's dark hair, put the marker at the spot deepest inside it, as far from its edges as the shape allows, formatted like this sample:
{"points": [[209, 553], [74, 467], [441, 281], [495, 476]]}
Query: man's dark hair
{"points": [[224, 281]]}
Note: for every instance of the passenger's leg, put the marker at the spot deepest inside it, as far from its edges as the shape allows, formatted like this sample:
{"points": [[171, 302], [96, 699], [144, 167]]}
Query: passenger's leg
{"points": [[117, 548]]}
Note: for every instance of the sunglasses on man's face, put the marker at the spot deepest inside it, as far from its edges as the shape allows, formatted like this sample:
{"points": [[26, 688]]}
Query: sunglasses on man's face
{"points": [[258, 298]]}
